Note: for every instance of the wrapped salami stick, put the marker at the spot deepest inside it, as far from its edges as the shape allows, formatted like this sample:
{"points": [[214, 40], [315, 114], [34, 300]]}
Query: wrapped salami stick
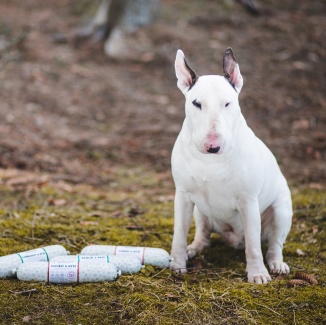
{"points": [[146, 255], [126, 264], [10, 262], [56, 272]]}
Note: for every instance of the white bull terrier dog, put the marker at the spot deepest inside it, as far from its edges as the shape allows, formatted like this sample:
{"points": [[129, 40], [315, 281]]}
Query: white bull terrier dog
{"points": [[225, 176]]}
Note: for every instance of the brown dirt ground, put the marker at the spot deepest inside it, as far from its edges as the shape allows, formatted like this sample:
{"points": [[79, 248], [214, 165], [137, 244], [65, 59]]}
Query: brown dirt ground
{"points": [[68, 110]]}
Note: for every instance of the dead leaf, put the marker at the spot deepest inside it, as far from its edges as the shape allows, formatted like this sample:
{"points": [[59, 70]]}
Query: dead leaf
{"points": [[57, 202], [172, 297], [89, 223], [317, 186], [26, 179], [314, 230], [27, 319], [300, 252], [300, 65], [150, 268], [300, 125], [312, 241], [64, 186], [280, 277]]}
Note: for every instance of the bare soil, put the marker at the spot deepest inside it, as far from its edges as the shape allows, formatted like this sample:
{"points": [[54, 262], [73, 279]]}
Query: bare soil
{"points": [[68, 110]]}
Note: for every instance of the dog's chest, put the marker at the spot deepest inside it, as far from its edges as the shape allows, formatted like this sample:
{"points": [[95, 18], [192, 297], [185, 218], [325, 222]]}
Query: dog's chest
{"points": [[211, 189], [216, 205]]}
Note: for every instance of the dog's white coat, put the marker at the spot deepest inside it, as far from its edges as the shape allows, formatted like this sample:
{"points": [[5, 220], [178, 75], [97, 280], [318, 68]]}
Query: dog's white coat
{"points": [[238, 192]]}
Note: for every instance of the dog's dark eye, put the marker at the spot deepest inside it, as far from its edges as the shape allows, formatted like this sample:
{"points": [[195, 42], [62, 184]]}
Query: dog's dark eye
{"points": [[196, 104], [227, 104]]}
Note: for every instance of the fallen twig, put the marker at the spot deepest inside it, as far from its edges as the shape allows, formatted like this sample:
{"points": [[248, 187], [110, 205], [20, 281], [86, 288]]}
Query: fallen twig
{"points": [[24, 292]]}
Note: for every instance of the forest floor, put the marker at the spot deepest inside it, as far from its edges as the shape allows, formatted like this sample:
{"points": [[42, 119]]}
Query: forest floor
{"points": [[85, 146]]}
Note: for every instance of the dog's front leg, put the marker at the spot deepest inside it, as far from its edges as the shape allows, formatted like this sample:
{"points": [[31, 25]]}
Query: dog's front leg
{"points": [[251, 220], [183, 210]]}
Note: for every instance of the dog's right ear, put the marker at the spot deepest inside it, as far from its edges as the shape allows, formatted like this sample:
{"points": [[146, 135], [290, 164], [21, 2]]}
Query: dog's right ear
{"points": [[185, 75]]}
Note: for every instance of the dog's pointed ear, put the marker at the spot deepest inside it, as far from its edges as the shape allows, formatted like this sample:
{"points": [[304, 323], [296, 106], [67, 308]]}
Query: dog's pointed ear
{"points": [[231, 70], [185, 75]]}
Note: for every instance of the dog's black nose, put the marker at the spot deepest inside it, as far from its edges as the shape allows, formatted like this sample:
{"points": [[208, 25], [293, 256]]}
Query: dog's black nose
{"points": [[213, 150]]}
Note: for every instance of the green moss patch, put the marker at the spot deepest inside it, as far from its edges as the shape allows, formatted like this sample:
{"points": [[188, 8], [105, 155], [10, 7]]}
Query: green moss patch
{"points": [[214, 291]]}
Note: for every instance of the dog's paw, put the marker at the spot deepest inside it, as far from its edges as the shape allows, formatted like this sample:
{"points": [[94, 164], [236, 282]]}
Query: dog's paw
{"points": [[192, 250], [278, 267], [178, 265], [191, 253], [195, 247], [260, 277]]}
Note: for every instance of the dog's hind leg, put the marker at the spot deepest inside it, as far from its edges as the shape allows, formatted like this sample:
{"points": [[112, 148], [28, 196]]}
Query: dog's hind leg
{"points": [[202, 235], [276, 229]]}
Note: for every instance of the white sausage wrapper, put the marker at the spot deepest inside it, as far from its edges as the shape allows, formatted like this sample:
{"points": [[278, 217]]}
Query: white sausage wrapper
{"points": [[126, 264], [146, 255], [56, 272], [10, 262]]}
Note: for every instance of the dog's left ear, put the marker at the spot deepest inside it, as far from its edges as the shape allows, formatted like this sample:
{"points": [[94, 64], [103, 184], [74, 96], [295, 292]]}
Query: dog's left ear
{"points": [[185, 75], [232, 71]]}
